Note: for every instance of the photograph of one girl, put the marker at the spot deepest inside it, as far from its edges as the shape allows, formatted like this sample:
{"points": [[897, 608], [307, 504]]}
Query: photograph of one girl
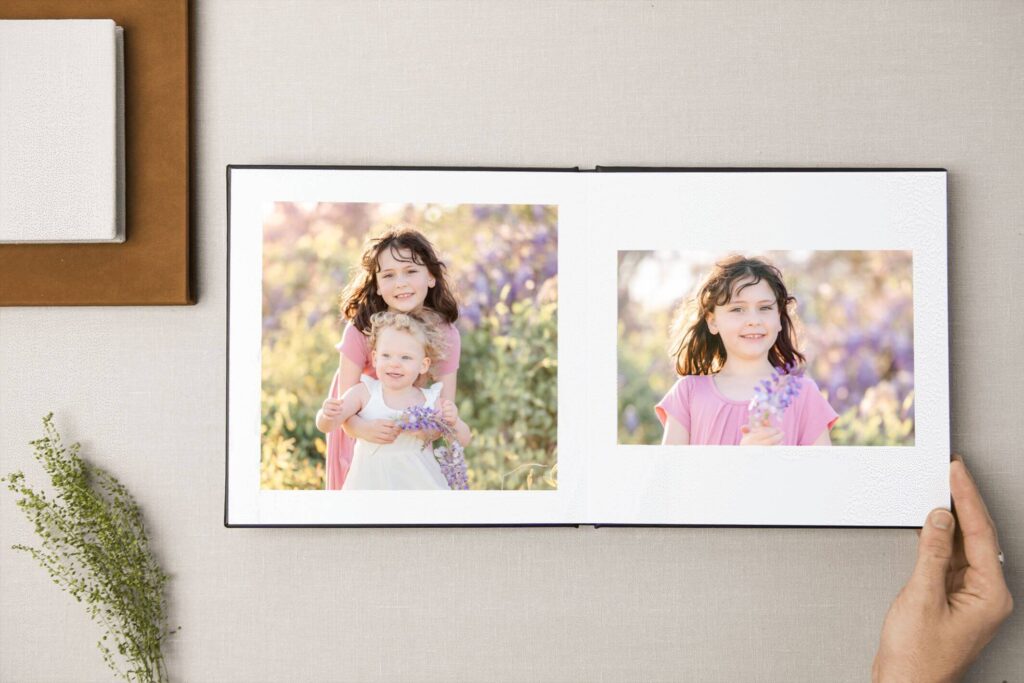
{"points": [[781, 348], [409, 347]]}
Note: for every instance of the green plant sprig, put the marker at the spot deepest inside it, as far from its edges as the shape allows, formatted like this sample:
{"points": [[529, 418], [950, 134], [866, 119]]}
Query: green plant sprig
{"points": [[93, 544]]}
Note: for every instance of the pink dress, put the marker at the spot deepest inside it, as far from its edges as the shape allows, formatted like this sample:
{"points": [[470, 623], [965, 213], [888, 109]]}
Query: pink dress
{"points": [[714, 420], [356, 347]]}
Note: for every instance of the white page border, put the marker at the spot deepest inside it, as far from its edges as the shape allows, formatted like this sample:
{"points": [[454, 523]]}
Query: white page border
{"points": [[749, 211], [250, 192]]}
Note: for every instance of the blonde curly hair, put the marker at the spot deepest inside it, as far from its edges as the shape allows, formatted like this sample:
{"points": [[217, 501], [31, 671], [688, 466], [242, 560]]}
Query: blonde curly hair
{"points": [[425, 325]]}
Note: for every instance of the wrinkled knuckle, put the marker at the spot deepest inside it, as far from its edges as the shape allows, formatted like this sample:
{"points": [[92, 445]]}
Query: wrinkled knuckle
{"points": [[937, 547]]}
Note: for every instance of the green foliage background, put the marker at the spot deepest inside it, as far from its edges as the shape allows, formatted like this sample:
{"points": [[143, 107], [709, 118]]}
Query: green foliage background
{"points": [[854, 317], [502, 263]]}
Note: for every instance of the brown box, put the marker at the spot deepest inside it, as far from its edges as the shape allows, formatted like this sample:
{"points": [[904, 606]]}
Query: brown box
{"points": [[152, 265]]}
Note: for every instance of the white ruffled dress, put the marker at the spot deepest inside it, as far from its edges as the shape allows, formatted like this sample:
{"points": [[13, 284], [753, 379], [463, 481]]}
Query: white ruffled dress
{"points": [[403, 464]]}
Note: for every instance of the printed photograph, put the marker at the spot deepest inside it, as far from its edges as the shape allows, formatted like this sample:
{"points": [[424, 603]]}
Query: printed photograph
{"points": [[409, 347], [791, 348]]}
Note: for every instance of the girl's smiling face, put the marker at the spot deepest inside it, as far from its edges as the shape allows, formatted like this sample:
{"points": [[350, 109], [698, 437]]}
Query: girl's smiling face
{"points": [[399, 358], [401, 282], [749, 323]]}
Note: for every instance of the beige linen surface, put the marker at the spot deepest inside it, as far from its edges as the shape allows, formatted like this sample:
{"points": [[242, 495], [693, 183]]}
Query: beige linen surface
{"points": [[873, 84]]}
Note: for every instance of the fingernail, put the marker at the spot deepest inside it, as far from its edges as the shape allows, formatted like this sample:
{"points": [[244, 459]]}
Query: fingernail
{"points": [[941, 519], [957, 456]]}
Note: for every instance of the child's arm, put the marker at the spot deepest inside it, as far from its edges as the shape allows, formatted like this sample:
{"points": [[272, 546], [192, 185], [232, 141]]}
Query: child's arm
{"points": [[761, 436], [450, 414], [448, 386], [462, 433], [375, 431], [675, 433], [335, 411], [447, 394]]}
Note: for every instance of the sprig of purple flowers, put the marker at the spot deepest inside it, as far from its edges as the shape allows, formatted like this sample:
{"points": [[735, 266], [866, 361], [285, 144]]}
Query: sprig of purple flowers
{"points": [[449, 454], [772, 397]]}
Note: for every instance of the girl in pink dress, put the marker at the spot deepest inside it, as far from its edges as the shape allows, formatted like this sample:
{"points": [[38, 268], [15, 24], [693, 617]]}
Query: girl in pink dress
{"points": [[399, 272], [726, 341]]}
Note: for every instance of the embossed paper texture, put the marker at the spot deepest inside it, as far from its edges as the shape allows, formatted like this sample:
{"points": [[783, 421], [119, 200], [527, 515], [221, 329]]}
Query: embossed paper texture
{"points": [[59, 131]]}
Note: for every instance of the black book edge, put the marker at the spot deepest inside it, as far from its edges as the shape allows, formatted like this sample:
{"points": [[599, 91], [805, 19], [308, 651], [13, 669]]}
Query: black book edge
{"points": [[766, 169], [357, 167]]}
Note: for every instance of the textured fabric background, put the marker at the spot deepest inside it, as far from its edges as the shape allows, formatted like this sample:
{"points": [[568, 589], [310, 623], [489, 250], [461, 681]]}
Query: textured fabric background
{"points": [[561, 83]]}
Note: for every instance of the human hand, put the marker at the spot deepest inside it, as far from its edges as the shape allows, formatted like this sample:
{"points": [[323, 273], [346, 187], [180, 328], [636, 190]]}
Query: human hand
{"points": [[428, 435], [449, 412], [379, 431], [331, 410], [761, 436], [956, 598]]}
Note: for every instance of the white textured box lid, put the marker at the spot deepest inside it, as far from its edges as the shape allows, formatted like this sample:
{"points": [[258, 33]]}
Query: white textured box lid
{"points": [[59, 119]]}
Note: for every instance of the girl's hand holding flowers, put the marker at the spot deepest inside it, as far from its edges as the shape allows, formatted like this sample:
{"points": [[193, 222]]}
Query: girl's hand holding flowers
{"points": [[449, 412], [761, 436], [771, 398], [449, 455]]}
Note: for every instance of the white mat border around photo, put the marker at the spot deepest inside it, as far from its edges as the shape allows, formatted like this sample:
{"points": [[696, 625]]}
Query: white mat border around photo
{"points": [[750, 212], [252, 191]]}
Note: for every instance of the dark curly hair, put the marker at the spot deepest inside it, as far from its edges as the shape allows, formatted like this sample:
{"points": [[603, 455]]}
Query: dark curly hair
{"points": [[360, 298], [699, 352]]}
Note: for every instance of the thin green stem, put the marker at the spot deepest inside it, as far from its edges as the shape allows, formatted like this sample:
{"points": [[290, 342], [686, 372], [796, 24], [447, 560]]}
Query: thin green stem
{"points": [[93, 544]]}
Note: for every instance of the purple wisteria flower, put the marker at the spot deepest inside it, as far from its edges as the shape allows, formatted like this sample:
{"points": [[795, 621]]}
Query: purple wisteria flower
{"points": [[772, 397], [449, 453]]}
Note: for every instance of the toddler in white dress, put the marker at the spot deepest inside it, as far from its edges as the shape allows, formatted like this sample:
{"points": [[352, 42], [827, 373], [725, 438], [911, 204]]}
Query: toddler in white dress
{"points": [[403, 347]]}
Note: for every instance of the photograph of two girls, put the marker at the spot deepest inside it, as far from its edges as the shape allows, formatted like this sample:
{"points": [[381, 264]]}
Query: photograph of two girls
{"points": [[414, 347]]}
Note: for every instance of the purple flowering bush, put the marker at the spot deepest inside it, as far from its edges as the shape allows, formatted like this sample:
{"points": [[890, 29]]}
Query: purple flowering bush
{"points": [[513, 391], [508, 378]]}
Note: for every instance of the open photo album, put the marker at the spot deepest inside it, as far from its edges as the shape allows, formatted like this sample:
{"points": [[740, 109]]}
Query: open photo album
{"points": [[421, 347]]}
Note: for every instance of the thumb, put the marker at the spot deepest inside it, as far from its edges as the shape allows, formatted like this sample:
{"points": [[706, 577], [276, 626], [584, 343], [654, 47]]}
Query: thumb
{"points": [[934, 552]]}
